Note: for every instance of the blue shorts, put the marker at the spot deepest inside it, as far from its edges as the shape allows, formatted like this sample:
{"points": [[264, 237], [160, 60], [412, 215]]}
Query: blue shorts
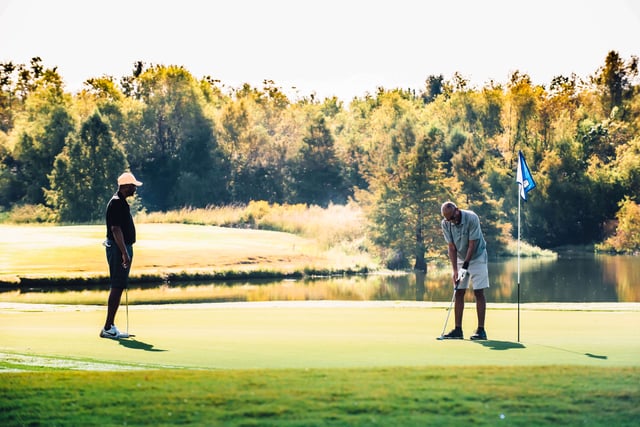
{"points": [[118, 274]]}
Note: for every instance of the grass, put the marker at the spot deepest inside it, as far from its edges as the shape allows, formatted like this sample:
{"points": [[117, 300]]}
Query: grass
{"points": [[527, 250], [321, 397], [317, 364], [259, 240], [335, 236], [336, 225], [60, 254], [323, 334], [296, 364]]}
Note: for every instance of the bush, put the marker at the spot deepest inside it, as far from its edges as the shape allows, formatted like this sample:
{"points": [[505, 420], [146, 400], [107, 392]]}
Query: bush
{"points": [[25, 214], [627, 237]]}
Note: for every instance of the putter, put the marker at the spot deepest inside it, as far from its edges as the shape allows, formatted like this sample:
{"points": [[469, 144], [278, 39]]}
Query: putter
{"points": [[441, 337], [126, 299]]}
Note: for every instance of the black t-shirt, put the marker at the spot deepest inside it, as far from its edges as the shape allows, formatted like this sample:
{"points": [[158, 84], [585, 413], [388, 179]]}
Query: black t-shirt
{"points": [[119, 214]]}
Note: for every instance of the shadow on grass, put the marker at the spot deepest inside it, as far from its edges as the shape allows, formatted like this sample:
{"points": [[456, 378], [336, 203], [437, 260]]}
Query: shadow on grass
{"points": [[596, 356], [591, 355], [138, 345], [500, 345]]}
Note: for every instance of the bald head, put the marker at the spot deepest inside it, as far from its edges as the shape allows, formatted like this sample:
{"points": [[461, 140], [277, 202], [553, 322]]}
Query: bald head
{"points": [[451, 213], [448, 208]]}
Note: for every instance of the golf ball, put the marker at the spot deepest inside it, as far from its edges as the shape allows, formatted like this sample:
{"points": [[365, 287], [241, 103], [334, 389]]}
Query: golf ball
{"points": [[502, 416]]}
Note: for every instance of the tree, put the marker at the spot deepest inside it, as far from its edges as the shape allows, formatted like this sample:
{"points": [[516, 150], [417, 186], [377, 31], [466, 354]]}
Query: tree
{"points": [[259, 131], [404, 213], [434, 88], [491, 111], [84, 174], [7, 96], [41, 131], [521, 111], [203, 168], [565, 209], [8, 184], [175, 148], [316, 172], [627, 236], [468, 166], [627, 166], [615, 80]]}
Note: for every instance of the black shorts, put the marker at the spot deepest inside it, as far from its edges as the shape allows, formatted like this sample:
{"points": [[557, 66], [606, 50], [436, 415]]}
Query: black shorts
{"points": [[118, 274]]}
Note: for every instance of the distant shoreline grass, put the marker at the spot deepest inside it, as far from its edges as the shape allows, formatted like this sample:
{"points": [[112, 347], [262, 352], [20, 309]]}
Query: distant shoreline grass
{"points": [[321, 242], [45, 255]]}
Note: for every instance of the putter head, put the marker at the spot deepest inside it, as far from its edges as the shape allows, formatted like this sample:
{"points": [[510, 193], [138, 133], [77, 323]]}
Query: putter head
{"points": [[125, 335], [440, 338]]}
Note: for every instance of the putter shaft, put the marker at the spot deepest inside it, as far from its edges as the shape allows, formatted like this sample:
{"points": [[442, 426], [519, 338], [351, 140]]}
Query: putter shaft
{"points": [[444, 328]]}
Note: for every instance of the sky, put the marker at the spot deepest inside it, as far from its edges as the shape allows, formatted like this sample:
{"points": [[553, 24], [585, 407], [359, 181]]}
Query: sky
{"points": [[343, 48]]}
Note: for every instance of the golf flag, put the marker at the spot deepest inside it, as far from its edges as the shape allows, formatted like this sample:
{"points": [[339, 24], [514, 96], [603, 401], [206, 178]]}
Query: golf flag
{"points": [[524, 177]]}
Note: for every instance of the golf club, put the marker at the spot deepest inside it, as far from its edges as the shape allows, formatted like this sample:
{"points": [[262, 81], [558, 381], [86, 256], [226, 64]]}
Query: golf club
{"points": [[126, 300], [441, 337]]}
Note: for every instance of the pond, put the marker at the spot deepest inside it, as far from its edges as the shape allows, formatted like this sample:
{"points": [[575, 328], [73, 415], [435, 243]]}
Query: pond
{"points": [[569, 278]]}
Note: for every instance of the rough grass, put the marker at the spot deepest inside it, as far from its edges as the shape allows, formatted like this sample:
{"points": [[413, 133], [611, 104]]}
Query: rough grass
{"points": [[319, 397], [336, 225], [527, 250]]}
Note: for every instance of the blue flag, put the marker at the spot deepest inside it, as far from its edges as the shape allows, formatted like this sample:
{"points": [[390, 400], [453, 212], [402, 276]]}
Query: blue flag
{"points": [[524, 178]]}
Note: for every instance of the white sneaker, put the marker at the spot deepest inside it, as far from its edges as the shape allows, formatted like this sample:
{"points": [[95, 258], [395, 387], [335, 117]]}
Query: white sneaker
{"points": [[112, 333]]}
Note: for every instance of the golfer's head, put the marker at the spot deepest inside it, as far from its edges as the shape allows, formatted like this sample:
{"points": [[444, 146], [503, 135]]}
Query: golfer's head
{"points": [[449, 211], [128, 182]]}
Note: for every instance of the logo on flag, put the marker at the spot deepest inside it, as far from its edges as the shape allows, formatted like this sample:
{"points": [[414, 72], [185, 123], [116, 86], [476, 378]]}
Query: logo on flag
{"points": [[523, 177]]}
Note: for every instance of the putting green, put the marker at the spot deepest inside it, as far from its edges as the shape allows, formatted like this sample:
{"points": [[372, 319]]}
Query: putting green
{"points": [[318, 335]]}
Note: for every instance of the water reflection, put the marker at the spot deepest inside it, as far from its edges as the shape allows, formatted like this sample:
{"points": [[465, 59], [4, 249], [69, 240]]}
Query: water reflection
{"points": [[569, 278]]}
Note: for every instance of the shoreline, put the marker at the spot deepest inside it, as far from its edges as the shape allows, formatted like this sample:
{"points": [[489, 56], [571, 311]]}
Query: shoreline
{"points": [[9, 307]]}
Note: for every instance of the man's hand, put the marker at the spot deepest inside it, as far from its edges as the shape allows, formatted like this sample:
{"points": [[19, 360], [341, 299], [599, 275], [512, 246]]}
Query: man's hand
{"points": [[462, 273], [126, 260]]}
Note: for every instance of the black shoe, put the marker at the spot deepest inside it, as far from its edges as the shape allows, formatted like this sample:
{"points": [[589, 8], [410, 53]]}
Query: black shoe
{"points": [[480, 335], [455, 334]]}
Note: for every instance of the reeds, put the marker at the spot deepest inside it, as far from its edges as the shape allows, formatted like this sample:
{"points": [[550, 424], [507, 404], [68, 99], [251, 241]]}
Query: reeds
{"points": [[334, 226]]}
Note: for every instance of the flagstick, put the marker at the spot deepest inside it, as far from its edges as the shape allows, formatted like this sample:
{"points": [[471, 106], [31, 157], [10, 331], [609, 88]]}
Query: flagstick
{"points": [[518, 263], [525, 184]]}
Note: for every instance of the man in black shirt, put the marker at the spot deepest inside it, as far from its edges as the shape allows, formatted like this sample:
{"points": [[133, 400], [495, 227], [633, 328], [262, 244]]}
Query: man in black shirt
{"points": [[121, 235]]}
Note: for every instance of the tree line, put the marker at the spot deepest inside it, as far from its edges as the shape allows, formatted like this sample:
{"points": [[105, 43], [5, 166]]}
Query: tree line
{"points": [[398, 153]]}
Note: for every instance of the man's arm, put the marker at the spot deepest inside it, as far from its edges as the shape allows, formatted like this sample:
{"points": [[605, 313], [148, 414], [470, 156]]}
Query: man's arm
{"points": [[470, 251], [453, 257], [119, 238]]}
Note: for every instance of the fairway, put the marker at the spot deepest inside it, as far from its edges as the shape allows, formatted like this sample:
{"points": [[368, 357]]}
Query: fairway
{"points": [[45, 251], [320, 334]]}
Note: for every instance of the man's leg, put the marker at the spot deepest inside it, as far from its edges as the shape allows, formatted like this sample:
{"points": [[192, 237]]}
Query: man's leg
{"points": [[481, 306], [112, 306], [459, 307]]}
